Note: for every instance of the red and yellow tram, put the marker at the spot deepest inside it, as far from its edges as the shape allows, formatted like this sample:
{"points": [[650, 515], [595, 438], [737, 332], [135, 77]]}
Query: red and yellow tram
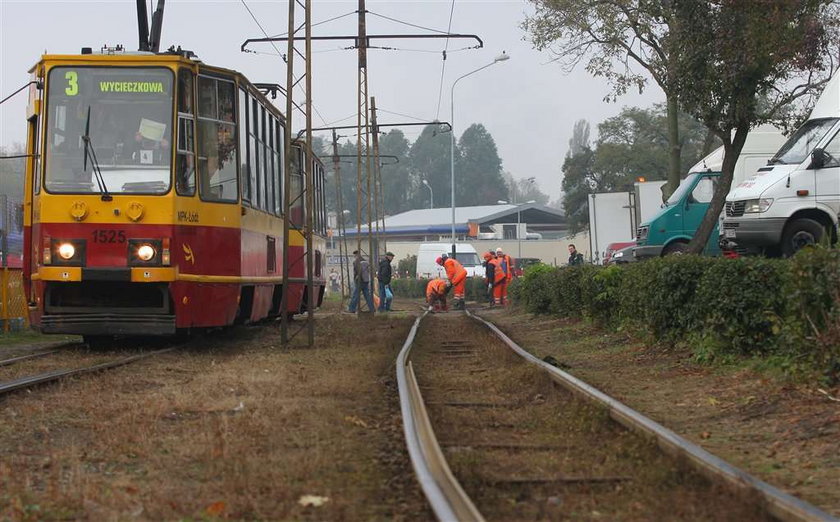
{"points": [[153, 198]]}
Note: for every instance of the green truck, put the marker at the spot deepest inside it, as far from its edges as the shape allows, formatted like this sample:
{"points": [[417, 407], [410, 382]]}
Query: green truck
{"points": [[670, 229]]}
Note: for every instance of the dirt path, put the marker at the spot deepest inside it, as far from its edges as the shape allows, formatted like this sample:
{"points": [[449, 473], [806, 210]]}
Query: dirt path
{"points": [[229, 427], [785, 434]]}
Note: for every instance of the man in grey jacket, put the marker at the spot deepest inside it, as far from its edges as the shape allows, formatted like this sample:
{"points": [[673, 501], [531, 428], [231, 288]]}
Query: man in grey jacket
{"points": [[361, 283]]}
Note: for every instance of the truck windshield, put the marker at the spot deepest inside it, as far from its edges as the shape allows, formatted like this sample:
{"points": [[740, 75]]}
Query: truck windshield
{"points": [[803, 141], [126, 112], [468, 258], [682, 190]]}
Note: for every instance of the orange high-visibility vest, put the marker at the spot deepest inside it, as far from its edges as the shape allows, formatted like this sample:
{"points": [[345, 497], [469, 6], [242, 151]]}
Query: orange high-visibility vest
{"points": [[436, 287], [455, 271], [498, 274]]}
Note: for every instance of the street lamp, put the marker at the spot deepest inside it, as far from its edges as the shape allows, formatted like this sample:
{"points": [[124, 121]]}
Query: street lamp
{"points": [[502, 57], [431, 194]]}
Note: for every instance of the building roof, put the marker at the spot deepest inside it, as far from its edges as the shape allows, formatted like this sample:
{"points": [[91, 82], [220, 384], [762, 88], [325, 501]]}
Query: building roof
{"points": [[439, 220]]}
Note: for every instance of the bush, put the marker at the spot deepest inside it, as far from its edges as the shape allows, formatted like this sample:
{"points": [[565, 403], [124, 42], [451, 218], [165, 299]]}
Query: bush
{"points": [[747, 306], [476, 290], [741, 303]]}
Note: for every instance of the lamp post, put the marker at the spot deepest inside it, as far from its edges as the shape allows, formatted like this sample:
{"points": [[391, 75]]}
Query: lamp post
{"points": [[502, 57], [431, 194]]}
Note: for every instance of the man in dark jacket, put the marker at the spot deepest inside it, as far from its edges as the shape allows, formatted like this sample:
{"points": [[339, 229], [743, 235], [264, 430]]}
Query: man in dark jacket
{"points": [[361, 281], [575, 257], [384, 276]]}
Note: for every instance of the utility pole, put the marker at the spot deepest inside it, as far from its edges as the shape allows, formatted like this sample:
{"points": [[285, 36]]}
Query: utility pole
{"points": [[306, 166], [363, 182], [377, 183], [344, 269]]}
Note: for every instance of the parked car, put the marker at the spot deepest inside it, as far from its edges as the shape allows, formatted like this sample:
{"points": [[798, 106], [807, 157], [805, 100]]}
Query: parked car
{"points": [[519, 265], [612, 248], [623, 256]]}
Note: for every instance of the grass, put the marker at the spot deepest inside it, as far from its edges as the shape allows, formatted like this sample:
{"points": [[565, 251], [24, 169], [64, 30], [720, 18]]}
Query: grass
{"points": [[232, 426]]}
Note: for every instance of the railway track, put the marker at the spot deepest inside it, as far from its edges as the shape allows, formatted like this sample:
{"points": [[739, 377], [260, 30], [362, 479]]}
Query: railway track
{"points": [[24, 379], [514, 450]]}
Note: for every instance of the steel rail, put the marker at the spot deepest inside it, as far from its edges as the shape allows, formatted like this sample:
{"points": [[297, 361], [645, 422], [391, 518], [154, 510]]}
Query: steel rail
{"points": [[779, 504], [33, 380], [445, 495], [13, 360]]}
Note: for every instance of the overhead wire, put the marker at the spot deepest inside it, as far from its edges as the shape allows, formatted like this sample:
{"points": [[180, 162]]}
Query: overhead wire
{"points": [[283, 56], [319, 23], [402, 115], [443, 65], [409, 23]]}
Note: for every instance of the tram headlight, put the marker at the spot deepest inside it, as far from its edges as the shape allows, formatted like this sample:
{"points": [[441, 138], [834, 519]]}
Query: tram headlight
{"points": [[144, 252], [66, 251]]}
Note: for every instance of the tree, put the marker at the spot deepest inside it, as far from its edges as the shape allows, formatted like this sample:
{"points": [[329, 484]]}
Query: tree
{"points": [[522, 190], [479, 178], [615, 35], [396, 177], [635, 143], [579, 181], [752, 59], [580, 137], [429, 160]]}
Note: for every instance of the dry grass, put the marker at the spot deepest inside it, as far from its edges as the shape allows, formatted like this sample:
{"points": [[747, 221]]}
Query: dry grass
{"points": [[575, 464], [230, 427], [783, 433]]}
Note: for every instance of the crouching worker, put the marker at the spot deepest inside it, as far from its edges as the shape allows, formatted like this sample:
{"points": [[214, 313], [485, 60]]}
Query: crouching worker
{"points": [[457, 275], [436, 295]]}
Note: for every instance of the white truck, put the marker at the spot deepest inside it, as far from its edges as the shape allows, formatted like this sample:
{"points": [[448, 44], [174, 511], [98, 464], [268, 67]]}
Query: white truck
{"points": [[614, 216], [464, 252], [793, 201]]}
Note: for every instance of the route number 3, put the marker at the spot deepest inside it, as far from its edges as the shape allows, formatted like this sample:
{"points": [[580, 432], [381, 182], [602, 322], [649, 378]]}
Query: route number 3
{"points": [[72, 88]]}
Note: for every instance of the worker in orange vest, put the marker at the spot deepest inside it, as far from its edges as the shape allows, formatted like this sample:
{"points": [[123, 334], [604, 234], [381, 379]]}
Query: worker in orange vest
{"points": [[495, 278], [436, 295], [506, 263], [457, 275]]}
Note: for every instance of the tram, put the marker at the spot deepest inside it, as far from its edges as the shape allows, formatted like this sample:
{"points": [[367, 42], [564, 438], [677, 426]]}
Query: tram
{"points": [[153, 198]]}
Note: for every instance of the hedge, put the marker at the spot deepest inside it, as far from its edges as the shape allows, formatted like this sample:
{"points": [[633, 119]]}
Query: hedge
{"points": [[476, 289], [721, 307]]}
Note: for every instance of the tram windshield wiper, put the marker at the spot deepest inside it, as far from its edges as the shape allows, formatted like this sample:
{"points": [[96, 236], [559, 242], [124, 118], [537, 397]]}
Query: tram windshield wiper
{"points": [[97, 173]]}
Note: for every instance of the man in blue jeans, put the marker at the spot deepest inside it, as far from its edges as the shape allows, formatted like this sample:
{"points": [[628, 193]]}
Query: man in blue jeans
{"points": [[384, 276], [361, 283]]}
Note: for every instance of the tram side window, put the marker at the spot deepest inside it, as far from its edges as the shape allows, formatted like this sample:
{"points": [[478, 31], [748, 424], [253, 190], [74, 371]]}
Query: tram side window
{"points": [[185, 159], [269, 150], [256, 154], [295, 186], [321, 201], [244, 162], [217, 156], [266, 162], [279, 145]]}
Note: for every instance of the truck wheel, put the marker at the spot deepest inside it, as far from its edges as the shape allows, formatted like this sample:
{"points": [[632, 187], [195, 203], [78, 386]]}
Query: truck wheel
{"points": [[676, 248], [799, 234]]}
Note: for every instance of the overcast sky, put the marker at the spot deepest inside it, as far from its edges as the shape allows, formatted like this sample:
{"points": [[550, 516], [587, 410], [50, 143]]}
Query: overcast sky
{"points": [[527, 103]]}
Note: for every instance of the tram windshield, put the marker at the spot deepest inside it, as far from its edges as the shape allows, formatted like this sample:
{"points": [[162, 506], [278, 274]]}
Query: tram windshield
{"points": [[127, 112]]}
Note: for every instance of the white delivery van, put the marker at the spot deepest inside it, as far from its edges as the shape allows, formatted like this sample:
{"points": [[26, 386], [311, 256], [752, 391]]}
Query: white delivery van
{"points": [[465, 253], [794, 200]]}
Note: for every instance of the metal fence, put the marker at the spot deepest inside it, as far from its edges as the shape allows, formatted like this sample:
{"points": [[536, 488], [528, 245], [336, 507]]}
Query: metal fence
{"points": [[13, 308]]}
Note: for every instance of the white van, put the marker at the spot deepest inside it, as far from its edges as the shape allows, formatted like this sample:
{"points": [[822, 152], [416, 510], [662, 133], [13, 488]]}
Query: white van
{"points": [[794, 200], [465, 253]]}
